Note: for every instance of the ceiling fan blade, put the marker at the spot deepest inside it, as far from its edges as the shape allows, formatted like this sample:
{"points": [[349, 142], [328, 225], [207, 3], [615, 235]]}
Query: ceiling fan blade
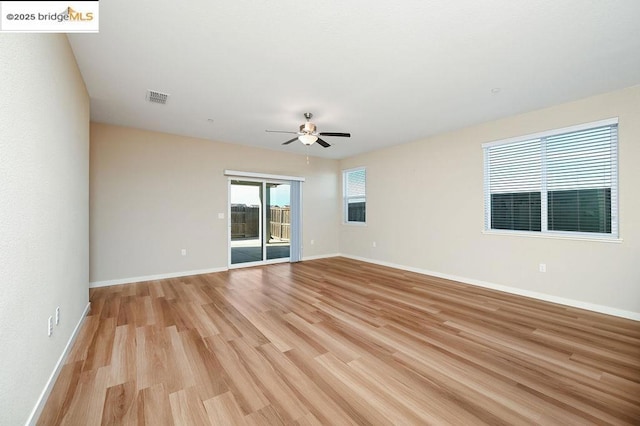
{"points": [[290, 140], [280, 131], [342, 135], [323, 143]]}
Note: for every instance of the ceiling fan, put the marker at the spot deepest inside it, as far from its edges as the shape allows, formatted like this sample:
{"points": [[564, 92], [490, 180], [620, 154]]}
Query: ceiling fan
{"points": [[308, 133]]}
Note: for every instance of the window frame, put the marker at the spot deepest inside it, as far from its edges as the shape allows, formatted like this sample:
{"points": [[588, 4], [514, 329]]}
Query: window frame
{"points": [[346, 198], [544, 231]]}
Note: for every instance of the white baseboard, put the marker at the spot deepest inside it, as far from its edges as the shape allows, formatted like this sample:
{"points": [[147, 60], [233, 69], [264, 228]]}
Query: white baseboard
{"points": [[42, 400], [507, 289], [320, 256], [155, 277], [131, 280]]}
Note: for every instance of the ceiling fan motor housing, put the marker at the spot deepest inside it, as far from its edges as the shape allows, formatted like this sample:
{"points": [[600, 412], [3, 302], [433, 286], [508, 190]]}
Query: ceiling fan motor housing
{"points": [[307, 128]]}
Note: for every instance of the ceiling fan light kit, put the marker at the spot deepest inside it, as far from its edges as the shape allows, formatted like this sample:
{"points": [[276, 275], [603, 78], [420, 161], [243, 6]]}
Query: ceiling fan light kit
{"points": [[307, 139], [308, 133]]}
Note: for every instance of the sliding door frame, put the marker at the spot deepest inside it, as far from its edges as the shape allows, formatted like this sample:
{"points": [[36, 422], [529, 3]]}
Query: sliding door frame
{"points": [[264, 180]]}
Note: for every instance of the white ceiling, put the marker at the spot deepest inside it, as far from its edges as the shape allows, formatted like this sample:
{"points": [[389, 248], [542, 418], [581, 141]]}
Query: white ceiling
{"points": [[388, 72]]}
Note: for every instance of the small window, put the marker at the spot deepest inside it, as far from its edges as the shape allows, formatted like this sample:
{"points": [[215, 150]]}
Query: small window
{"points": [[558, 182], [355, 200]]}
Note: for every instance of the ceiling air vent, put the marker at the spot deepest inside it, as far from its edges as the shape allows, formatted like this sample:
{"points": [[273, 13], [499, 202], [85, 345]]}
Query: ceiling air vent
{"points": [[157, 97]]}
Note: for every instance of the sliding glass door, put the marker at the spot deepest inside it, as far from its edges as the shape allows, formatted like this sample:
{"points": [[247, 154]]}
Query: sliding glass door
{"points": [[278, 235], [260, 222], [246, 223]]}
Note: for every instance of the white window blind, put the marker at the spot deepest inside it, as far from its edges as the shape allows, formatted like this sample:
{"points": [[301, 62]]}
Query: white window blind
{"points": [[514, 176], [581, 160], [515, 167], [563, 181]]}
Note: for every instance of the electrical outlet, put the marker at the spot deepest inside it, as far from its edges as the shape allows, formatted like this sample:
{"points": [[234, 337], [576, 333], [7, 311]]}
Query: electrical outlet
{"points": [[313, 242], [374, 244], [220, 215], [58, 315], [50, 327], [543, 267], [183, 252]]}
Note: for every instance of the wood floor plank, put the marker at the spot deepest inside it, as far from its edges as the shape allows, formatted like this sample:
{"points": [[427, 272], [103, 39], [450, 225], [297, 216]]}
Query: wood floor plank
{"points": [[123, 356], [223, 410], [120, 405], [242, 383], [338, 341], [225, 327], [187, 408], [101, 347], [322, 407], [242, 324], [208, 373], [308, 420], [388, 409], [85, 337], [519, 367], [150, 356], [420, 397], [154, 407], [162, 312], [184, 373], [283, 399], [88, 399], [356, 407], [61, 394], [266, 416], [340, 347]]}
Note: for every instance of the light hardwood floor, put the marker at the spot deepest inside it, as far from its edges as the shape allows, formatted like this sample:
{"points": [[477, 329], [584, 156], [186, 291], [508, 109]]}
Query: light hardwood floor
{"points": [[336, 342]]}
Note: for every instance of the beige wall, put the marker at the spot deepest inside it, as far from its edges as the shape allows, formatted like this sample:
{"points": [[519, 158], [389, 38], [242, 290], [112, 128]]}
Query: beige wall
{"points": [[44, 223], [425, 211], [153, 194]]}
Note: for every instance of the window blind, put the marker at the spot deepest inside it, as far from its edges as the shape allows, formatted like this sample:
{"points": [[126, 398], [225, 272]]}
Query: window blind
{"points": [[356, 180], [581, 160], [515, 183], [559, 182], [296, 221], [580, 170]]}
